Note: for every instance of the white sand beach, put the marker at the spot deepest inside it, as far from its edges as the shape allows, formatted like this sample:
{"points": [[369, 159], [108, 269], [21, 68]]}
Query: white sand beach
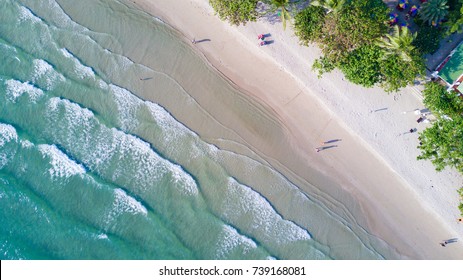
{"points": [[403, 201]]}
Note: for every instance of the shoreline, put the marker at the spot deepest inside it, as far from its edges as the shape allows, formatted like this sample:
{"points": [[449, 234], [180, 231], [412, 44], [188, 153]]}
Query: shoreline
{"points": [[279, 87]]}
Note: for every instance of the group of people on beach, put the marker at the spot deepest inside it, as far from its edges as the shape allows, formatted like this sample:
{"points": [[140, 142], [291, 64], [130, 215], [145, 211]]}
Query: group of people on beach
{"points": [[262, 37], [322, 147]]}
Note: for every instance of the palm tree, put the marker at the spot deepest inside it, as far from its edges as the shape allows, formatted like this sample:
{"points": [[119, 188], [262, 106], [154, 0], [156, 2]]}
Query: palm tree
{"points": [[284, 13], [329, 5], [399, 43], [434, 11]]}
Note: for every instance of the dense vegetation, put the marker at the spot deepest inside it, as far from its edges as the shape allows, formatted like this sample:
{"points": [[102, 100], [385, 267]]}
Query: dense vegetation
{"points": [[355, 37], [442, 143], [235, 11]]}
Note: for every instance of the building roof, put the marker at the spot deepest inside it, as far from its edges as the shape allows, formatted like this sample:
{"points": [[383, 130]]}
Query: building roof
{"points": [[453, 68]]}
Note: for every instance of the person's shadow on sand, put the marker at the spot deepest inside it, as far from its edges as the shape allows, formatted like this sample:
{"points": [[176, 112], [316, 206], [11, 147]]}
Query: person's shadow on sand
{"points": [[200, 41]]}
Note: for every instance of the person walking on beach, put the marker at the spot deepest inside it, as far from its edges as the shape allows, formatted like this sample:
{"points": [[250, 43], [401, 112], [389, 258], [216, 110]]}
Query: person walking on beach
{"points": [[193, 41]]}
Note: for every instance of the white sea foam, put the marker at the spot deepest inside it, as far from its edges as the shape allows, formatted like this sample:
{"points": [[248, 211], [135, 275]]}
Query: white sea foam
{"points": [[174, 132], [80, 70], [66, 53], [102, 236], [144, 165], [229, 240], [167, 122], [159, 20], [151, 165], [7, 134], [243, 201], [15, 89], [127, 106], [74, 114], [61, 165], [26, 144], [103, 85], [111, 147], [44, 72], [188, 185], [77, 121], [59, 17], [125, 203], [26, 15]]}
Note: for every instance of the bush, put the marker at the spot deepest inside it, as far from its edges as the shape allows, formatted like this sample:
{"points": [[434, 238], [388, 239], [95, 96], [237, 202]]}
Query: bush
{"points": [[442, 102], [235, 11], [396, 73], [359, 23], [308, 24], [361, 65], [323, 65]]}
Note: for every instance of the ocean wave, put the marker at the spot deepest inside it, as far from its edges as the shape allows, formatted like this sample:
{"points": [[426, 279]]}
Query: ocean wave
{"points": [[167, 122], [148, 166], [111, 151], [61, 165], [46, 74], [26, 144], [159, 20], [8, 134], [127, 106], [125, 203], [27, 15], [80, 69], [188, 185], [102, 236], [15, 89], [121, 62], [266, 224], [58, 108], [229, 240]]}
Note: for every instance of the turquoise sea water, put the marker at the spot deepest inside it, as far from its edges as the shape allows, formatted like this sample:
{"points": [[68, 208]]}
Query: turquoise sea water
{"points": [[88, 170]]}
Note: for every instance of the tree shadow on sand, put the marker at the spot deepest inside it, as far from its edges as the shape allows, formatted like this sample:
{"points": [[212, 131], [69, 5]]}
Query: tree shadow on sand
{"points": [[268, 12]]}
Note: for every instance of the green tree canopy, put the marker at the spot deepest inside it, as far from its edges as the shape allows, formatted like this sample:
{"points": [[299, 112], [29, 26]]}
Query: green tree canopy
{"points": [[308, 24], [396, 73], [442, 143], [433, 11], [359, 23], [329, 5], [235, 11], [398, 43], [442, 102], [362, 66]]}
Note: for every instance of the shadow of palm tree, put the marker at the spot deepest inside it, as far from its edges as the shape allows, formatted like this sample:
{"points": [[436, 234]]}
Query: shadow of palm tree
{"points": [[270, 14]]}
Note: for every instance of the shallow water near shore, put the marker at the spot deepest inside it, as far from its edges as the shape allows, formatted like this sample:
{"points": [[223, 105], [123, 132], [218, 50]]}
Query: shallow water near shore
{"points": [[100, 157]]}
